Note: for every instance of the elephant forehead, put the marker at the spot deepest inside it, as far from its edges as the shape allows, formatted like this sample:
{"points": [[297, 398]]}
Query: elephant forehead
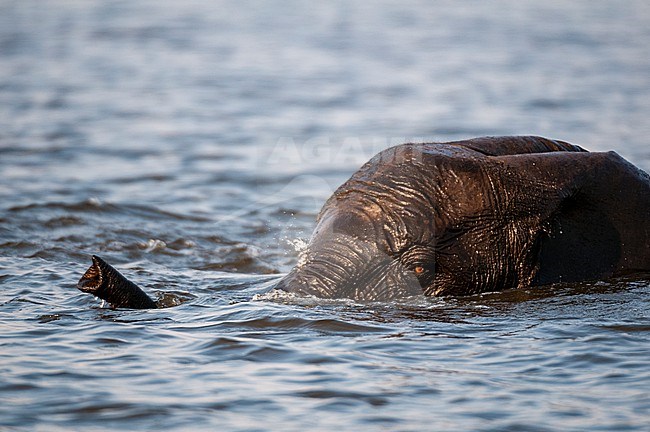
{"points": [[418, 166], [445, 187], [412, 196]]}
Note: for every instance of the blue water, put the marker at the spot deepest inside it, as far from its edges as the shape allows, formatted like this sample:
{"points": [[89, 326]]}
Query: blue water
{"points": [[191, 144]]}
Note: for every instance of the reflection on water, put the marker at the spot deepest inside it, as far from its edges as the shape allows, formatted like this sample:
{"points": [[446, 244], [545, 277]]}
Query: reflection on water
{"points": [[192, 146]]}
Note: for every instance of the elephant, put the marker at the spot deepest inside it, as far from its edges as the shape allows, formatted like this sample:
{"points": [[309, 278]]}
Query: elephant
{"points": [[468, 217]]}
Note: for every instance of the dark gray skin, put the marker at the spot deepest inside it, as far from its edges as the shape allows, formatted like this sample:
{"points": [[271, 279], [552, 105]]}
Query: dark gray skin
{"points": [[103, 281], [474, 216], [462, 218]]}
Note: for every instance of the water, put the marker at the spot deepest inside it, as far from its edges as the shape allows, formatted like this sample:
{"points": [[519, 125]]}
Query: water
{"points": [[191, 144]]}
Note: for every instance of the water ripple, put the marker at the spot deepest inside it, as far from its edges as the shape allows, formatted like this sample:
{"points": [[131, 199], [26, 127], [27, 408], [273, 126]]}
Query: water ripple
{"points": [[192, 146]]}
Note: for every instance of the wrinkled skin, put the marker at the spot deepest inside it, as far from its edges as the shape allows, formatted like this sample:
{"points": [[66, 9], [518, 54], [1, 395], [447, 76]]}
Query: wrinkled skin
{"points": [[462, 218], [103, 281], [473, 216]]}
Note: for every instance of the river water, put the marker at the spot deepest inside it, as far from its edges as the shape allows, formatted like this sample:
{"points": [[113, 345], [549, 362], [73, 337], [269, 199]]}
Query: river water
{"points": [[191, 144]]}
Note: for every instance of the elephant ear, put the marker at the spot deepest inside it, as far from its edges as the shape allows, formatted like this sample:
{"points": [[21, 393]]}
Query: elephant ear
{"points": [[594, 212]]}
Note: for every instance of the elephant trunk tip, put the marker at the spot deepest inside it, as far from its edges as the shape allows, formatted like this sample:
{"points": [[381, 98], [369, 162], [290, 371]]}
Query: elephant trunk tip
{"points": [[92, 279], [105, 282]]}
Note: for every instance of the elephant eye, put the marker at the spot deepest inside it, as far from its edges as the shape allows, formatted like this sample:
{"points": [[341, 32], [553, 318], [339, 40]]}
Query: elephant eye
{"points": [[418, 259]]}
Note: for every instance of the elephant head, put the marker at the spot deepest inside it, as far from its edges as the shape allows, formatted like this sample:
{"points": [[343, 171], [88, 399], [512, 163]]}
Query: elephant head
{"points": [[465, 217]]}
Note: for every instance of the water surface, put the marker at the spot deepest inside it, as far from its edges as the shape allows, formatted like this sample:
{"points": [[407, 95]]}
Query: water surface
{"points": [[191, 144]]}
